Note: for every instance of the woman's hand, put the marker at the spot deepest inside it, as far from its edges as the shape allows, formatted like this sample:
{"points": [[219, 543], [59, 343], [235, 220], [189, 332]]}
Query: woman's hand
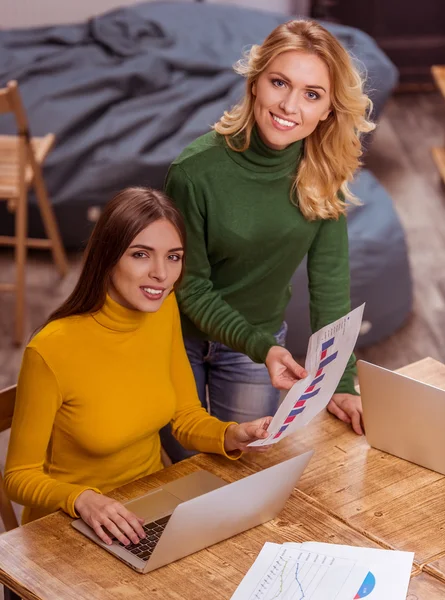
{"points": [[347, 408], [100, 511], [284, 371], [238, 436]]}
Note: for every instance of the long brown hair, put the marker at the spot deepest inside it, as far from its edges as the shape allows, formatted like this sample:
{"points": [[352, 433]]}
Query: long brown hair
{"points": [[332, 152], [126, 215]]}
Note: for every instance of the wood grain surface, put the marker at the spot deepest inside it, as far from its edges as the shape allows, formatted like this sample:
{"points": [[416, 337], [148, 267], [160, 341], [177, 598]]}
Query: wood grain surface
{"points": [[350, 494], [392, 500], [49, 559]]}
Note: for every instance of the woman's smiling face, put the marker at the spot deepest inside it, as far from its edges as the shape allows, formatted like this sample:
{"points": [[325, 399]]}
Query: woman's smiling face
{"points": [[292, 95], [148, 270]]}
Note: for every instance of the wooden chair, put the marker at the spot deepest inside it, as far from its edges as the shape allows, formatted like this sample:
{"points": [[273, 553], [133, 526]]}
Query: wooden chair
{"points": [[21, 159], [7, 401]]}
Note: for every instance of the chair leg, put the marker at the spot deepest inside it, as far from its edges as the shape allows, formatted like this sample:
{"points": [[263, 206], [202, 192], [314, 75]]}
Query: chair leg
{"points": [[21, 230], [9, 594], [49, 221]]}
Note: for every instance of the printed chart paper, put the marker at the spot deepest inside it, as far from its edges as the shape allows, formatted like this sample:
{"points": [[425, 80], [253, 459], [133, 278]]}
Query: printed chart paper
{"points": [[328, 353], [313, 571], [382, 564]]}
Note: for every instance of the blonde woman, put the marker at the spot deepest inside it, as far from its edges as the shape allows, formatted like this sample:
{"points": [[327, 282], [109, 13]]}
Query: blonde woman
{"points": [[267, 188]]}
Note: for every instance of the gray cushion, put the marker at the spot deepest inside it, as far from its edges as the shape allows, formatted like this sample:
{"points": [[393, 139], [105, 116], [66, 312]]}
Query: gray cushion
{"points": [[126, 92]]}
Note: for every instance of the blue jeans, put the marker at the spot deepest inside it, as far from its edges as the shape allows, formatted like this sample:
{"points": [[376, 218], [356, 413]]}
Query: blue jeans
{"points": [[230, 386]]}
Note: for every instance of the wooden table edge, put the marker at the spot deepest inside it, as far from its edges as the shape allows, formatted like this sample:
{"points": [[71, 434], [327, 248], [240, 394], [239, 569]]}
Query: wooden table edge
{"points": [[16, 587], [430, 570]]}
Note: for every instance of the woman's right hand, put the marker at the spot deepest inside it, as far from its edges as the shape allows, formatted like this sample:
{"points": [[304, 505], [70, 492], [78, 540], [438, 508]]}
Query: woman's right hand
{"points": [[284, 371], [99, 511]]}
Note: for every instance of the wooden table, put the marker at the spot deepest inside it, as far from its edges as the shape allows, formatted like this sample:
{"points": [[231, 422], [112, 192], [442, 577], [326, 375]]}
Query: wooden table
{"points": [[339, 500], [396, 503]]}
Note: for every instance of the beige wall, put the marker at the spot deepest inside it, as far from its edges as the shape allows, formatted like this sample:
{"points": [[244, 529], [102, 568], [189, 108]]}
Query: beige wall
{"points": [[33, 13]]}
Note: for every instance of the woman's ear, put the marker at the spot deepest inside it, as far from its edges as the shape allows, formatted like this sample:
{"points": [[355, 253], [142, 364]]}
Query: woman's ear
{"points": [[254, 88]]}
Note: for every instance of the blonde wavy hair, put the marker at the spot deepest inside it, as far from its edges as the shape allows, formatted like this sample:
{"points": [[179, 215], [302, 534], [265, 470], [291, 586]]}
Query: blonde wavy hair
{"points": [[332, 152]]}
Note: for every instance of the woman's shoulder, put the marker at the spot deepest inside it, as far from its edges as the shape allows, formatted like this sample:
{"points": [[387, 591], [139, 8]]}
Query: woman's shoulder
{"points": [[55, 333], [208, 149]]}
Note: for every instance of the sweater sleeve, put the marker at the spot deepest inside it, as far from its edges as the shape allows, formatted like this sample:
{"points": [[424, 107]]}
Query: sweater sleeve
{"points": [[37, 402], [329, 284], [197, 298], [192, 426]]}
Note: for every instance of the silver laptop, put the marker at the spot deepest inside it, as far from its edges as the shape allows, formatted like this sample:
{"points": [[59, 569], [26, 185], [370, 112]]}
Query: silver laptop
{"points": [[403, 416], [199, 510]]}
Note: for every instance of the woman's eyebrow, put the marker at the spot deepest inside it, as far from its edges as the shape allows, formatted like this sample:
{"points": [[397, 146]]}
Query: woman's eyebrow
{"points": [[284, 78], [281, 76], [316, 87], [180, 249]]}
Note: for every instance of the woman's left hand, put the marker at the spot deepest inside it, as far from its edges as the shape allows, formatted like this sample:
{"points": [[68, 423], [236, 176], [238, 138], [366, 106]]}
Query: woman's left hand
{"points": [[238, 436], [347, 408]]}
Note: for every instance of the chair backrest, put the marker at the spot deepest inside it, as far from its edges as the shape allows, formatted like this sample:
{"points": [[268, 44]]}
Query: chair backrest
{"points": [[5, 104], [7, 402], [10, 101]]}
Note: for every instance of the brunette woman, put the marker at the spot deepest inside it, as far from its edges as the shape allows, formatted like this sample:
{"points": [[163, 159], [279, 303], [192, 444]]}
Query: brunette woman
{"points": [[107, 372]]}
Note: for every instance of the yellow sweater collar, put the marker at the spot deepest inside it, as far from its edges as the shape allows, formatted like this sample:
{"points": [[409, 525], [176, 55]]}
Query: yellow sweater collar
{"points": [[114, 316]]}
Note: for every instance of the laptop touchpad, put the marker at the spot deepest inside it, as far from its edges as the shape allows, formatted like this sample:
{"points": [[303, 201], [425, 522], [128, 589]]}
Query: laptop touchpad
{"points": [[195, 484], [153, 505], [164, 500]]}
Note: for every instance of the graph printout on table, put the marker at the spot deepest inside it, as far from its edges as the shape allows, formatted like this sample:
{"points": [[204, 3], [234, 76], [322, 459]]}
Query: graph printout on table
{"points": [[316, 571]]}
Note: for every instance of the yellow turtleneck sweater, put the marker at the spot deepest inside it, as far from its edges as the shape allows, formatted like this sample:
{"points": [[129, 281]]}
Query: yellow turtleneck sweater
{"points": [[93, 393]]}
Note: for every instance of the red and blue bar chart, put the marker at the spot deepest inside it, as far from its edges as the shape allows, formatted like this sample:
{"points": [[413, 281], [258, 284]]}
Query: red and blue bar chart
{"points": [[327, 356]]}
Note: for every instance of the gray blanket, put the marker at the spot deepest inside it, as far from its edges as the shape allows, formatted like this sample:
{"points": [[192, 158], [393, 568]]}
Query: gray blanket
{"points": [[127, 91]]}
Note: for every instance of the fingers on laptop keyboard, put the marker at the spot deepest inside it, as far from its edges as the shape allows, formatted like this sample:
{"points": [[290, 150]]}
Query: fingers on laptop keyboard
{"points": [[145, 547], [130, 524], [122, 530]]}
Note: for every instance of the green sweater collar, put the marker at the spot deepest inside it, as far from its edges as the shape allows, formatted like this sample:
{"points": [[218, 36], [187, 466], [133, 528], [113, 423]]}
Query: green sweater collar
{"points": [[259, 157]]}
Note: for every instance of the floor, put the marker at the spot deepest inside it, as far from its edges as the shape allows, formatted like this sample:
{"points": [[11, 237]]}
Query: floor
{"points": [[401, 160]]}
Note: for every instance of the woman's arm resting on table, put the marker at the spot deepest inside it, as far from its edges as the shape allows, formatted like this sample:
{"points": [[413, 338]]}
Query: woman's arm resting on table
{"points": [[37, 402]]}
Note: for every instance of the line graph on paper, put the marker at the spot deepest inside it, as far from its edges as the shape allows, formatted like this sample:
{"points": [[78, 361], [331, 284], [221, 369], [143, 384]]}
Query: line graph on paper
{"points": [[303, 575]]}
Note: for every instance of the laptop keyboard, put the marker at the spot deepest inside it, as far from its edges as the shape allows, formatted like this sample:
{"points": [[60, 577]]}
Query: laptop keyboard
{"points": [[145, 547]]}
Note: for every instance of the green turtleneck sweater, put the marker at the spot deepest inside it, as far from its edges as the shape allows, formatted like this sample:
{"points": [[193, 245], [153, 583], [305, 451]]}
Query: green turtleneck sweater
{"points": [[245, 239]]}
